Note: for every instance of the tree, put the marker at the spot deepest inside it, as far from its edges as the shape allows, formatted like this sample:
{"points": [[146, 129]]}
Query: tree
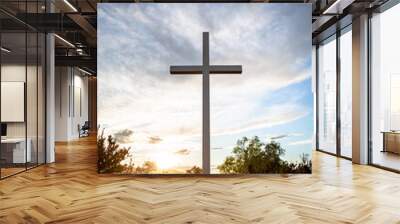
{"points": [[110, 155], [148, 167], [254, 156], [194, 170]]}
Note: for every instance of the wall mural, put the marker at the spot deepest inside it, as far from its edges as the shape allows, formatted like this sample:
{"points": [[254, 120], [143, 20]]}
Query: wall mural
{"points": [[204, 88]]}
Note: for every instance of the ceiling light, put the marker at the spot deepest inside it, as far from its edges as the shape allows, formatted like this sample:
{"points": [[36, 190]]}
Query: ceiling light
{"points": [[79, 51], [337, 7], [5, 50], [70, 5], [84, 71], [65, 41]]}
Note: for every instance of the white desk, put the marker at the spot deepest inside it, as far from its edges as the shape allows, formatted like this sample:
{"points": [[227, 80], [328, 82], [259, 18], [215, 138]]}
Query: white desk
{"points": [[19, 154]]}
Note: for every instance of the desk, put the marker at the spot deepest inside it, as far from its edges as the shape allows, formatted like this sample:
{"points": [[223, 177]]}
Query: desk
{"points": [[391, 141], [13, 150]]}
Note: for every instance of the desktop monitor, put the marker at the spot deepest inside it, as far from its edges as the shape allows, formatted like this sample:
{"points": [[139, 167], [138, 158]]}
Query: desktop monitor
{"points": [[3, 129]]}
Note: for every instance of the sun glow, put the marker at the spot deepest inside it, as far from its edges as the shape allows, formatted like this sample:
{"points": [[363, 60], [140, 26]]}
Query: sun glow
{"points": [[166, 160]]}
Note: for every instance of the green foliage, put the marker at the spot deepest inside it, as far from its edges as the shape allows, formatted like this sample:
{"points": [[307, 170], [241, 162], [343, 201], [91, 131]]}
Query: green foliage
{"points": [[254, 156], [194, 170], [110, 155]]}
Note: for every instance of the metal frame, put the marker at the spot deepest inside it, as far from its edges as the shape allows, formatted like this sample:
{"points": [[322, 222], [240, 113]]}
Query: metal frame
{"points": [[316, 97], [369, 90], [338, 97]]}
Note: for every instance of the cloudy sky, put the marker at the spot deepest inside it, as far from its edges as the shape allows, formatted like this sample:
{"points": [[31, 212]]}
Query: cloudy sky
{"points": [[159, 115]]}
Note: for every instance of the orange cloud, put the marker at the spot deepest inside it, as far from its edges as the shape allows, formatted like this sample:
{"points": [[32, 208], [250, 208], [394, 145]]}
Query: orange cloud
{"points": [[154, 140], [183, 152]]}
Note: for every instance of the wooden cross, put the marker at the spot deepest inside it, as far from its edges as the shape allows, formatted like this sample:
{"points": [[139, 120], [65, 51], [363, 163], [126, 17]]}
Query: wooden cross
{"points": [[206, 69]]}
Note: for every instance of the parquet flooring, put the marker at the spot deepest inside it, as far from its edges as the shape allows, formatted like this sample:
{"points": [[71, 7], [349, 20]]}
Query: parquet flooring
{"points": [[70, 191]]}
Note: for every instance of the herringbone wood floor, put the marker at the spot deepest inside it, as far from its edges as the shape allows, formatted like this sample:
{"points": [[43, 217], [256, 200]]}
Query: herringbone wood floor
{"points": [[70, 191]]}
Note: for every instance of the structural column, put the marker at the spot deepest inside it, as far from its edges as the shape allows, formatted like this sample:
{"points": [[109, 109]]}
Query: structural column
{"points": [[360, 90], [50, 92]]}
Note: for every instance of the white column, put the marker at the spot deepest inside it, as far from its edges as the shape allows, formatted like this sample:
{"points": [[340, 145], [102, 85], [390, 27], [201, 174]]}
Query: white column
{"points": [[50, 100], [50, 92], [360, 90]]}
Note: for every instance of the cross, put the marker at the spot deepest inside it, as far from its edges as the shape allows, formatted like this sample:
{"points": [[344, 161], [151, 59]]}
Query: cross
{"points": [[206, 69]]}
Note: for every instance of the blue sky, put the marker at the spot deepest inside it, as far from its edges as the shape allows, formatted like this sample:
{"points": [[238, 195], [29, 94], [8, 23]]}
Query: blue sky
{"points": [[159, 115]]}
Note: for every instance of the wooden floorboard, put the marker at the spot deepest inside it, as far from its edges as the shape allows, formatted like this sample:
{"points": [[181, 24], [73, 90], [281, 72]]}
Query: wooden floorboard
{"points": [[70, 191]]}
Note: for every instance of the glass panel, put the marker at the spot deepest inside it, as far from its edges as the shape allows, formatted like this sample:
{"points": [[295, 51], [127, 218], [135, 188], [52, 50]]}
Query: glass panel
{"points": [[22, 76], [386, 89], [31, 97], [327, 95], [346, 93], [13, 87], [31, 88]]}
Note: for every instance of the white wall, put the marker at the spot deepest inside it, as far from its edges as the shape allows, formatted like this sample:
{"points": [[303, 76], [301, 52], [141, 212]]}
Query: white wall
{"points": [[80, 109], [33, 127], [71, 94], [17, 73], [10, 73]]}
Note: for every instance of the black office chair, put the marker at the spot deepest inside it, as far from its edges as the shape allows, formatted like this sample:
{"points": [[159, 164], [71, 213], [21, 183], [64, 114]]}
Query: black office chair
{"points": [[84, 130]]}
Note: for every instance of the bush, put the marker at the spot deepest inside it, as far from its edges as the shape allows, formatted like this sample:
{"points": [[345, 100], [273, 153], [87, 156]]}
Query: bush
{"points": [[194, 170], [254, 156], [148, 167], [110, 155]]}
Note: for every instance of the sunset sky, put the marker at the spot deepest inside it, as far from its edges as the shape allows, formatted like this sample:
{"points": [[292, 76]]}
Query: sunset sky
{"points": [[160, 116]]}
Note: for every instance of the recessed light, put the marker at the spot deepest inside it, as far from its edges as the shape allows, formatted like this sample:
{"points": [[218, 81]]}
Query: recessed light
{"points": [[5, 50], [84, 71], [70, 5], [64, 40]]}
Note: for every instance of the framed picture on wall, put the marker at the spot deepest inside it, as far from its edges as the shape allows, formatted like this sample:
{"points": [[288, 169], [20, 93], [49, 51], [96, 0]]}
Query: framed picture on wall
{"points": [[197, 89]]}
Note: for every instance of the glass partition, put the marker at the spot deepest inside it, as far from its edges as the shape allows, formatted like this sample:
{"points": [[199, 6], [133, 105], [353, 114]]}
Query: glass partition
{"points": [[13, 94], [22, 91], [41, 88], [31, 99]]}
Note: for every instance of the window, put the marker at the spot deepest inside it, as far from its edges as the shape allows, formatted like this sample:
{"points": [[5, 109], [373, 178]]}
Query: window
{"points": [[346, 92], [385, 89], [327, 95]]}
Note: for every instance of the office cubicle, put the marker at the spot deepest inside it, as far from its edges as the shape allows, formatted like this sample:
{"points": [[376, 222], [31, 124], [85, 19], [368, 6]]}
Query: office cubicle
{"points": [[22, 77]]}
